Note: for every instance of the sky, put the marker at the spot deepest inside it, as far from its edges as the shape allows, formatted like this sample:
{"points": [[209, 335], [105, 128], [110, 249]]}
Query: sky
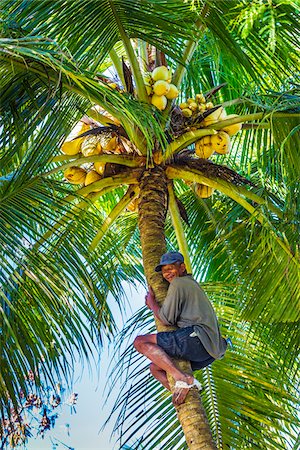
{"points": [[91, 411]]}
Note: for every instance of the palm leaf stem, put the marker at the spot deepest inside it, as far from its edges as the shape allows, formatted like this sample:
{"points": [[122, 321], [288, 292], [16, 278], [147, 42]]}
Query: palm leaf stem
{"points": [[189, 50], [103, 187], [117, 65], [96, 115], [78, 161], [117, 210], [231, 191], [192, 136], [143, 55], [178, 227], [185, 140], [113, 181], [139, 82], [226, 188], [248, 117]]}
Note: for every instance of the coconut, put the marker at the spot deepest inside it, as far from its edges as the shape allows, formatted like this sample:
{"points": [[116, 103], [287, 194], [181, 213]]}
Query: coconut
{"points": [[200, 98], [187, 112], [232, 129], [193, 106], [209, 105], [173, 92], [204, 148], [71, 147], [75, 175], [183, 105], [91, 146], [160, 73], [203, 191], [161, 87], [160, 101], [99, 167], [91, 177], [221, 142]]}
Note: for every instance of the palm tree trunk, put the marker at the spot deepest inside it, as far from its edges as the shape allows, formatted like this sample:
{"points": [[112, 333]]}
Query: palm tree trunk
{"points": [[152, 215]]}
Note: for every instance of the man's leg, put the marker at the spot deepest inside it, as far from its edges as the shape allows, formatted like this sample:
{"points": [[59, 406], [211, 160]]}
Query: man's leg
{"points": [[160, 375], [147, 345]]}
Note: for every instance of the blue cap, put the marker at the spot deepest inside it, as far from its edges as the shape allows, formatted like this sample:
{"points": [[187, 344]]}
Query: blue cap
{"points": [[169, 258]]}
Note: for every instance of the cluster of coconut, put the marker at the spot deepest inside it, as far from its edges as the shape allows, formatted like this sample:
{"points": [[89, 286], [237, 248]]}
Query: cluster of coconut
{"points": [[159, 87], [207, 145], [219, 142], [89, 146], [194, 106]]}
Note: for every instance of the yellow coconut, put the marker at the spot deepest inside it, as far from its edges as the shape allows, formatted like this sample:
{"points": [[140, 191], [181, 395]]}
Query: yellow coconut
{"points": [[187, 112], [232, 129], [193, 106], [183, 105], [221, 142], [173, 92], [160, 101], [161, 87], [200, 98], [75, 175], [209, 105], [201, 108], [203, 191], [148, 89], [99, 167], [215, 116], [160, 73], [73, 147], [111, 145], [204, 148], [91, 177], [91, 146]]}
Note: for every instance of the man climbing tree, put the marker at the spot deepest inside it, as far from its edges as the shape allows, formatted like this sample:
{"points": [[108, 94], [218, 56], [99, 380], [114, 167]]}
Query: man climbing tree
{"points": [[198, 338]]}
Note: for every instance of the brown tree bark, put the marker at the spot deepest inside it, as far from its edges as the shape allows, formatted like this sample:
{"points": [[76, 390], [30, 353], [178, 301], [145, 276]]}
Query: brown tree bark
{"points": [[152, 215]]}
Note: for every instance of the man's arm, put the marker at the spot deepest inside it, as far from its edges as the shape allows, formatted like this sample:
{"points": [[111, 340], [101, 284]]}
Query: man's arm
{"points": [[152, 304]]}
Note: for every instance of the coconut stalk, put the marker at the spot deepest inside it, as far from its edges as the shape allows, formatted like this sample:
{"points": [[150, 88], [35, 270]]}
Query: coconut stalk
{"points": [[115, 213], [177, 225], [127, 161], [231, 191], [151, 222]]}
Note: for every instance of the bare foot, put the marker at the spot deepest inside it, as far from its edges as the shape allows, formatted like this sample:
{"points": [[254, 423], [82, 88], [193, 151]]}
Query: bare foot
{"points": [[181, 389]]}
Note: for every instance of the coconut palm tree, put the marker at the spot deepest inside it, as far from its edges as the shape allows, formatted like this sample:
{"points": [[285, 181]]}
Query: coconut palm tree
{"points": [[87, 68]]}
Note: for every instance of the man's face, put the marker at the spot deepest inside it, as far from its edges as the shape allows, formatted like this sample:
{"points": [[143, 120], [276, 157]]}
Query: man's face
{"points": [[170, 271]]}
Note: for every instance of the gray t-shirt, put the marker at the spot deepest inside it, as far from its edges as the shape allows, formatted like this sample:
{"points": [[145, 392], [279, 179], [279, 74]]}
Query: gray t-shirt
{"points": [[187, 305]]}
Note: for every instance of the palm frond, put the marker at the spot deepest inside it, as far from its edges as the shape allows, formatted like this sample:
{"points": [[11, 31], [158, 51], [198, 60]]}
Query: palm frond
{"points": [[97, 22]]}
